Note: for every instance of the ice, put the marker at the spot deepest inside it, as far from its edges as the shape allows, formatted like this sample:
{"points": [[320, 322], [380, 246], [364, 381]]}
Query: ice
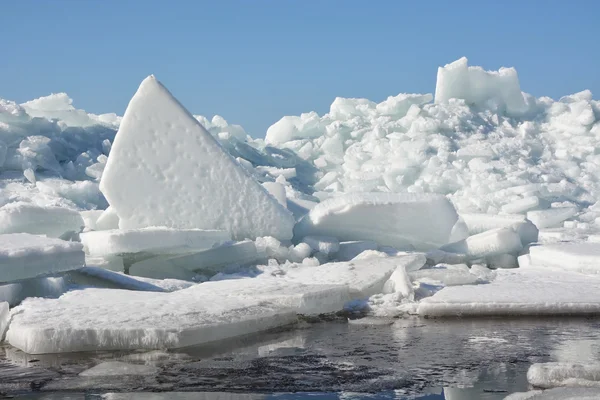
{"points": [[276, 190], [400, 283], [323, 244], [14, 293], [363, 277], [302, 298], [165, 169], [156, 269], [478, 223], [90, 217], [4, 318], [107, 220], [119, 368], [155, 240], [111, 319], [580, 257], [22, 217], [101, 277], [25, 256], [556, 374], [349, 250], [479, 87], [183, 396], [489, 243], [208, 262], [518, 292], [557, 394], [424, 221], [445, 275], [551, 217], [111, 263], [522, 205]]}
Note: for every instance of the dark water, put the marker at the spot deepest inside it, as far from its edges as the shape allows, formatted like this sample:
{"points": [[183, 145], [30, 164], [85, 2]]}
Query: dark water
{"points": [[407, 358]]}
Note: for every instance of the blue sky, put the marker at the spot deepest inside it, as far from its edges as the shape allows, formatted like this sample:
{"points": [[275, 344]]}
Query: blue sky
{"points": [[253, 61]]}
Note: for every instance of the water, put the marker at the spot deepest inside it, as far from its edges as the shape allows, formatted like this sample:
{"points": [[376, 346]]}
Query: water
{"points": [[407, 358]]}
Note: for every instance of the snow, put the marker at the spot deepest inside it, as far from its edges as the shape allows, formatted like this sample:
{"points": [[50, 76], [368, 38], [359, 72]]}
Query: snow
{"points": [[324, 244], [557, 394], [25, 256], [580, 257], [551, 217], [30, 218], [424, 221], [518, 292], [111, 319], [153, 240], [556, 374], [165, 169], [119, 368]]}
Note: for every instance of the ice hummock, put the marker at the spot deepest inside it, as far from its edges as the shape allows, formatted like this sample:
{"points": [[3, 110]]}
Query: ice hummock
{"points": [[421, 221], [165, 169], [25, 256]]}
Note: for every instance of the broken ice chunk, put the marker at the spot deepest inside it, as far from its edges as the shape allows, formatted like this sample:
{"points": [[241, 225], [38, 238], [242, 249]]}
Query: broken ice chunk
{"points": [[156, 240], [30, 218], [425, 221], [4, 318], [551, 217], [25, 256], [556, 374], [107, 220], [277, 190], [192, 182], [496, 241], [478, 223]]}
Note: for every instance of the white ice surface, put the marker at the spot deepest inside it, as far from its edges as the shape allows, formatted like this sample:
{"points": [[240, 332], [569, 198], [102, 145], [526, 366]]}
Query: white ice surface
{"points": [[581, 257], [153, 240], [529, 291], [119, 368], [324, 244], [363, 277], [557, 374], [107, 220], [551, 217], [478, 223], [112, 263], [111, 319], [30, 218], [276, 190], [424, 221], [25, 256], [349, 250], [165, 169]]}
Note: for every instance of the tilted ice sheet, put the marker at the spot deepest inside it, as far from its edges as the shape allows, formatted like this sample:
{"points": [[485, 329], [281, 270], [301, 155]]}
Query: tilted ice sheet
{"points": [[25, 256], [581, 257], [514, 292], [111, 319], [165, 169], [363, 277], [153, 240], [303, 298], [556, 374], [424, 221]]}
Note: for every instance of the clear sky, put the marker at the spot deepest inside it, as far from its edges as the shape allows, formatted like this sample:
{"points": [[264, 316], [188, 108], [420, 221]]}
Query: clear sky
{"points": [[253, 61]]}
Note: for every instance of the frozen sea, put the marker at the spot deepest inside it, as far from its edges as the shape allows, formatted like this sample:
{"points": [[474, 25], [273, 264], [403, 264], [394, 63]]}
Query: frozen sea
{"points": [[411, 358]]}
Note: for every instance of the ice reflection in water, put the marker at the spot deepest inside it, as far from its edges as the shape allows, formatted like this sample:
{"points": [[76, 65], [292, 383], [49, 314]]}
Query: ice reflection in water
{"points": [[470, 359]]}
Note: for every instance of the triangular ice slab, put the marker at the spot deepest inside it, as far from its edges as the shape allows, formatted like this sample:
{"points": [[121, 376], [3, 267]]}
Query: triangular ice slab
{"points": [[165, 169]]}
